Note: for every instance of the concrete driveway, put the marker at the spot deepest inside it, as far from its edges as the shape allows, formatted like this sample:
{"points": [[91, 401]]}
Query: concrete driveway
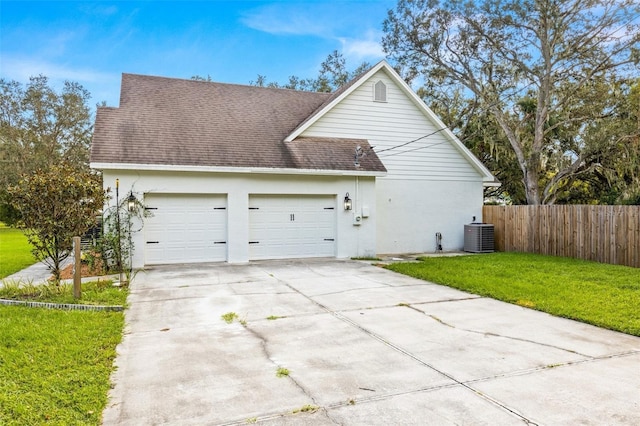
{"points": [[363, 346]]}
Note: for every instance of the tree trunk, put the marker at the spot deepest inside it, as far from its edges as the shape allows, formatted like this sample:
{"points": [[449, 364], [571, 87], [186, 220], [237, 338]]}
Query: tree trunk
{"points": [[531, 188]]}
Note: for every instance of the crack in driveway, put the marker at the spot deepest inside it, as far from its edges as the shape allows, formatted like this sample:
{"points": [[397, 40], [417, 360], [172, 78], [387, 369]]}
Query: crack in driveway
{"points": [[401, 350]]}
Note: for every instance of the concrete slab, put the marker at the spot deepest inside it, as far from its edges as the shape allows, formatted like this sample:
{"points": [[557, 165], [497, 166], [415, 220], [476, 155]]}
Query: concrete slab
{"points": [[597, 392], [492, 317], [197, 375], [461, 354], [310, 348], [38, 273], [374, 296], [442, 406], [354, 355]]}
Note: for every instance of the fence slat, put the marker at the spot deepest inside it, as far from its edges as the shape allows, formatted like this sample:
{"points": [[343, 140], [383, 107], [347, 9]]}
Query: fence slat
{"points": [[607, 234]]}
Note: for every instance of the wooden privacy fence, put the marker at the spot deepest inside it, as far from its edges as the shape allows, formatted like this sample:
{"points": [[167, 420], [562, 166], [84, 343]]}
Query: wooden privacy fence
{"points": [[608, 234]]}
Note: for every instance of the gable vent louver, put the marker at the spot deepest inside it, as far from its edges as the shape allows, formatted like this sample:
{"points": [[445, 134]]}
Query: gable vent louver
{"points": [[380, 92]]}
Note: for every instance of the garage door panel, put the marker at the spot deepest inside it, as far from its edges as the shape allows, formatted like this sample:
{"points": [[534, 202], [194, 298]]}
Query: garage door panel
{"points": [[291, 226], [185, 228]]}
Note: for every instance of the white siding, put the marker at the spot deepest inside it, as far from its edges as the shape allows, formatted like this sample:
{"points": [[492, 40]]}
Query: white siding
{"points": [[430, 186], [392, 123]]}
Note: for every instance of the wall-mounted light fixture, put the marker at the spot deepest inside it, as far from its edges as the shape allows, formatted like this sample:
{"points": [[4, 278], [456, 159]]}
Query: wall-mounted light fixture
{"points": [[131, 202], [347, 202]]}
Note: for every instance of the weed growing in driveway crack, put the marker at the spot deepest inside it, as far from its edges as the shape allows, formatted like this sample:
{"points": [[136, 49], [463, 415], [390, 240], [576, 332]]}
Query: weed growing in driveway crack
{"points": [[229, 317], [282, 372], [273, 317], [252, 420], [306, 409]]}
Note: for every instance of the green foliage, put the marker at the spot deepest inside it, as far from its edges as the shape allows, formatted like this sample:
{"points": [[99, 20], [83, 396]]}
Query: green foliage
{"points": [[549, 80], [229, 317], [40, 127], [600, 294], [15, 251], [93, 293], [479, 131], [55, 365], [115, 245], [57, 204]]}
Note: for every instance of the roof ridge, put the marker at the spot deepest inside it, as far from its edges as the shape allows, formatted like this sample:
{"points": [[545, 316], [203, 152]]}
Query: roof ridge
{"points": [[190, 80]]}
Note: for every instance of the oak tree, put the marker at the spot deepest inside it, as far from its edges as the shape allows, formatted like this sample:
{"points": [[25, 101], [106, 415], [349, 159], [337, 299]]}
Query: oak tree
{"points": [[39, 127], [545, 70]]}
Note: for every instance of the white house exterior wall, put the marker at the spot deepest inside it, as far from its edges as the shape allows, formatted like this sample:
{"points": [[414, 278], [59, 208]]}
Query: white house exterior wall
{"points": [[237, 187], [409, 219], [429, 175]]}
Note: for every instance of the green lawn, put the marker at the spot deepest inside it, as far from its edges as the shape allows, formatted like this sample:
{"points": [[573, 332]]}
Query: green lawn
{"points": [[600, 294], [93, 293], [54, 364], [15, 251]]}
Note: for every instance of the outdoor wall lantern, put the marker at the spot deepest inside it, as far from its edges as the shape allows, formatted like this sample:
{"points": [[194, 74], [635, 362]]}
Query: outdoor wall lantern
{"points": [[131, 202], [347, 202]]}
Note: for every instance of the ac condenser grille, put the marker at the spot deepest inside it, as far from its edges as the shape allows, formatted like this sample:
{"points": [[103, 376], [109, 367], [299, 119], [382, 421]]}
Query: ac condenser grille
{"points": [[478, 238]]}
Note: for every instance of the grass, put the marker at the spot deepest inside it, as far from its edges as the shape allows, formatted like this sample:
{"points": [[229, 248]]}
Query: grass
{"points": [[55, 364], [15, 251], [600, 294], [93, 293]]}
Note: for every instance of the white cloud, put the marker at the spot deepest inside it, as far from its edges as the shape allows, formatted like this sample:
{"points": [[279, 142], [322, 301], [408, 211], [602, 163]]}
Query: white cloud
{"points": [[274, 19], [102, 86], [283, 19], [361, 49], [21, 69]]}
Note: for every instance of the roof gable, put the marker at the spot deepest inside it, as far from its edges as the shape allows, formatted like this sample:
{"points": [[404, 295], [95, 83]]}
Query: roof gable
{"points": [[339, 97]]}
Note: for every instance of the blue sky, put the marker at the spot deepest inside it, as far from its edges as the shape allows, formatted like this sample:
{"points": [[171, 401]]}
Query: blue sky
{"points": [[93, 43]]}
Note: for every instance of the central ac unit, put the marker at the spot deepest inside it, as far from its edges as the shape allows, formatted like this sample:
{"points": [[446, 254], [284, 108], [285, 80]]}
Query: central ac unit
{"points": [[478, 238]]}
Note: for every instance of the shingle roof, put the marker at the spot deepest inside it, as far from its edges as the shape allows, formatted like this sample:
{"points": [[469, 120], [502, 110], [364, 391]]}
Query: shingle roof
{"points": [[165, 121], [333, 154]]}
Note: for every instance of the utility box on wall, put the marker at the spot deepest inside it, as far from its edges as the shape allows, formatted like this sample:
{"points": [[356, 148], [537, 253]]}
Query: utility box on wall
{"points": [[478, 238]]}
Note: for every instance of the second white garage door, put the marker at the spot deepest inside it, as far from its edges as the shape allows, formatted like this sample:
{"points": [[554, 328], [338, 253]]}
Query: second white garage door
{"points": [[185, 228], [290, 226]]}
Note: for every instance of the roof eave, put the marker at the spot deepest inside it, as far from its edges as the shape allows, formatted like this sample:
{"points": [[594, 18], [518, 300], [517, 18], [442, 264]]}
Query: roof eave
{"points": [[216, 169], [491, 183]]}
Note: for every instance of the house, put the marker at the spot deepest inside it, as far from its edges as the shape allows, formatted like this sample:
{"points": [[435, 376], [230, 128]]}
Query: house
{"points": [[236, 173]]}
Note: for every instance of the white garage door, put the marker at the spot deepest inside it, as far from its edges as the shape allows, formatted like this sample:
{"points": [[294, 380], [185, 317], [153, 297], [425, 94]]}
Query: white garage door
{"points": [[185, 228], [288, 226]]}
